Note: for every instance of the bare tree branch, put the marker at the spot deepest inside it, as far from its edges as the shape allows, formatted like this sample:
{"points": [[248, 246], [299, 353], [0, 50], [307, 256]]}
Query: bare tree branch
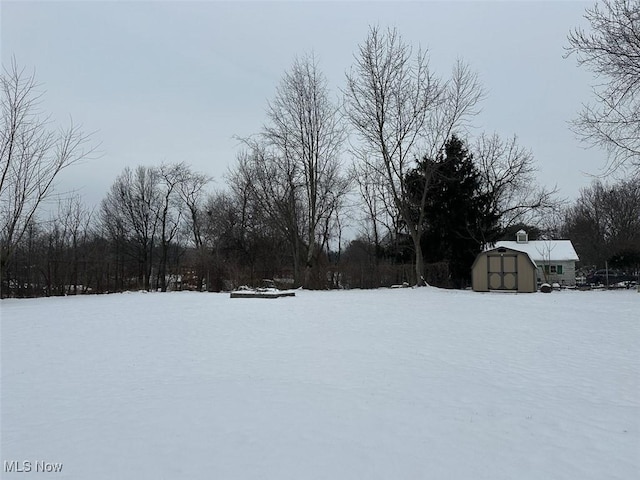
{"points": [[31, 155], [508, 179], [611, 50]]}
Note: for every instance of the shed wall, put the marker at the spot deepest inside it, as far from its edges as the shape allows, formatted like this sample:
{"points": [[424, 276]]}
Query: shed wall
{"points": [[527, 279], [479, 280]]}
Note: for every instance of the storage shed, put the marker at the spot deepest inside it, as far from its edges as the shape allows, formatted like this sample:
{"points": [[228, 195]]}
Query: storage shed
{"points": [[504, 269]]}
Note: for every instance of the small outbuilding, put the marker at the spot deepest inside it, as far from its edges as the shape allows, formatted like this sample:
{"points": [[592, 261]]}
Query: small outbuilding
{"points": [[504, 269]]}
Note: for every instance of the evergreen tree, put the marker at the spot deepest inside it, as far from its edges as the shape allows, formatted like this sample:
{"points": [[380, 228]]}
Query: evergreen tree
{"points": [[456, 221]]}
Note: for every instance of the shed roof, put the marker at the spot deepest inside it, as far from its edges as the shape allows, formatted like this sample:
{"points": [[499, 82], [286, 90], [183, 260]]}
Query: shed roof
{"points": [[544, 250], [496, 248]]}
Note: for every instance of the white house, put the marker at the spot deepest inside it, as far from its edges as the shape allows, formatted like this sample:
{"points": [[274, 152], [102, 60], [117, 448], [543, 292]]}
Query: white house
{"points": [[555, 259]]}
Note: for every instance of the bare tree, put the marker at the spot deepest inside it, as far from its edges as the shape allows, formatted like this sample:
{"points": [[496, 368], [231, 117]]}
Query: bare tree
{"points": [[169, 213], [611, 50], [380, 216], [293, 170], [191, 191], [402, 112], [305, 128], [544, 250], [243, 246], [270, 190], [31, 156], [130, 213], [508, 180], [76, 221], [605, 221]]}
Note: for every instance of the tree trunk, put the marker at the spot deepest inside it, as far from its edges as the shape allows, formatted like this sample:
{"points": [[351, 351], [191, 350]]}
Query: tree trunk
{"points": [[419, 261], [162, 274], [309, 280]]}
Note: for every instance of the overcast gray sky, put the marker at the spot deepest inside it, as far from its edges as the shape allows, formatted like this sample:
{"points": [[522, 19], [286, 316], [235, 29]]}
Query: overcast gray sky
{"points": [[176, 81]]}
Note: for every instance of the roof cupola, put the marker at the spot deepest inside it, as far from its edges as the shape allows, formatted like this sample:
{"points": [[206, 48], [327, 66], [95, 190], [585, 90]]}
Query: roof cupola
{"points": [[522, 237]]}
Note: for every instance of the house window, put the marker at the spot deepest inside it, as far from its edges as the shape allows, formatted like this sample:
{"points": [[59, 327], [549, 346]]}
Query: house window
{"points": [[557, 269]]}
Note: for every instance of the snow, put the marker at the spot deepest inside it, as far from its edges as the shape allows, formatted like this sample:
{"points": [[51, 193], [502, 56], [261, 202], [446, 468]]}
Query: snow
{"points": [[544, 250], [390, 383]]}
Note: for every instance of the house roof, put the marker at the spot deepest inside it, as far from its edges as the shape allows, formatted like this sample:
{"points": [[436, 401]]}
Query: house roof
{"points": [[542, 251]]}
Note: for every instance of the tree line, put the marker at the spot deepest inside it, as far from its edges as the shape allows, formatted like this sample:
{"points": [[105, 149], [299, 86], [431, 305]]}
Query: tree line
{"points": [[392, 164]]}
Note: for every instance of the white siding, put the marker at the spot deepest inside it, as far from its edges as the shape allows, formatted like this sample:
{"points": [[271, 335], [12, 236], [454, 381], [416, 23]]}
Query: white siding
{"points": [[567, 278]]}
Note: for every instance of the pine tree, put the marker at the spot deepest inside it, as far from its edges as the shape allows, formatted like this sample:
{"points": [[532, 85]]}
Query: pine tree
{"points": [[456, 222]]}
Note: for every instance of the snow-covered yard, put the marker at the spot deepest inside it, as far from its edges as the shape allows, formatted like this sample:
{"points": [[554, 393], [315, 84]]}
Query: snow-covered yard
{"points": [[384, 384]]}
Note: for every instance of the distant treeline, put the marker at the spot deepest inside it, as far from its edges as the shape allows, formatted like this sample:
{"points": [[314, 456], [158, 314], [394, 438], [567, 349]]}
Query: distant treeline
{"points": [[392, 163], [147, 235]]}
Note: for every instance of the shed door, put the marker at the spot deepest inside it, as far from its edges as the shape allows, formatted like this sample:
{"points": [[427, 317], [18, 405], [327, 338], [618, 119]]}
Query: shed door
{"points": [[503, 271]]}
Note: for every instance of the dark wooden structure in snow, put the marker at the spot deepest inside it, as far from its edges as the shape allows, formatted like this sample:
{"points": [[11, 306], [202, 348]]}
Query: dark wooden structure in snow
{"points": [[262, 294]]}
